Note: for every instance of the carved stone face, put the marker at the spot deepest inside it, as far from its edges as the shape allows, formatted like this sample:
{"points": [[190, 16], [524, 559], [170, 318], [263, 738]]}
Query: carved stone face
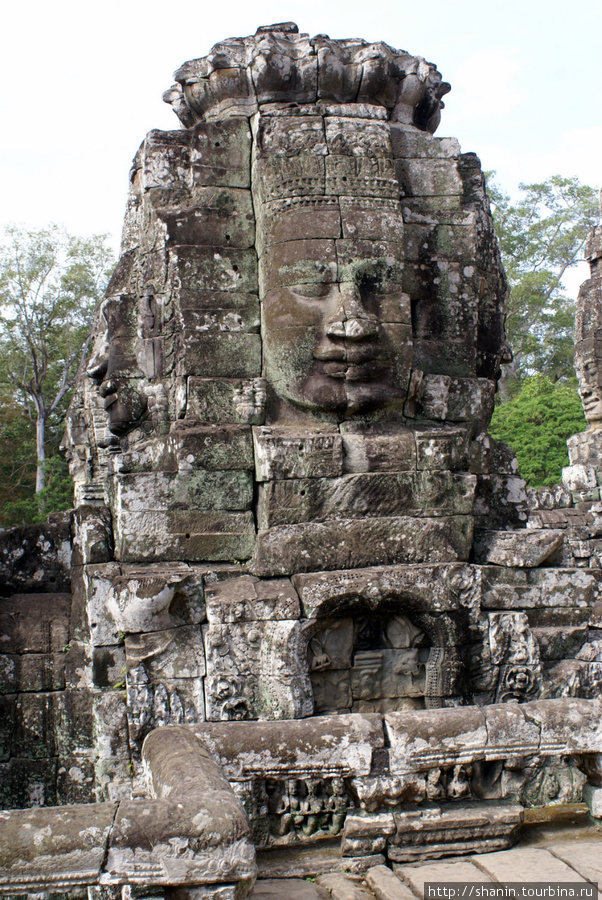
{"points": [[338, 346], [115, 367], [336, 324], [590, 388]]}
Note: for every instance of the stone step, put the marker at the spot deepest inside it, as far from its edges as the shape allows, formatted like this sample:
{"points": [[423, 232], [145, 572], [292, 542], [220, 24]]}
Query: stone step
{"points": [[583, 856], [387, 886], [342, 887], [453, 872], [526, 864], [288, 889]]}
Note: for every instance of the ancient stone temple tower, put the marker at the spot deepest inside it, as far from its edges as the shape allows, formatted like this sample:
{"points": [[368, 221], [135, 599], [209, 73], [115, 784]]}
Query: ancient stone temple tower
{"points": [[293, 539]]}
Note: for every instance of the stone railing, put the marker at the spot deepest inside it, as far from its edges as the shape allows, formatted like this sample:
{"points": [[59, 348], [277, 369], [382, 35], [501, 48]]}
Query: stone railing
{"points": [[193, 832]]}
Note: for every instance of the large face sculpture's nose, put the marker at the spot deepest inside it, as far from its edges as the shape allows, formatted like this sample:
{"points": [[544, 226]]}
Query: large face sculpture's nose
{"points": [[99, 362], [351, 321]]}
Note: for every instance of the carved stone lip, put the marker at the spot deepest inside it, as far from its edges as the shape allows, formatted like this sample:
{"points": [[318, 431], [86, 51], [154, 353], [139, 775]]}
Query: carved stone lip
{"points": [[370, 370]]}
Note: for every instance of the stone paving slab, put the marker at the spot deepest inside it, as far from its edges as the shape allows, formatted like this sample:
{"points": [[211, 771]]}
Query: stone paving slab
{"points": [[454, 872], [561, 860], [289, 889], [343, 888], [583, 856], [526, 864], [387, 886]]}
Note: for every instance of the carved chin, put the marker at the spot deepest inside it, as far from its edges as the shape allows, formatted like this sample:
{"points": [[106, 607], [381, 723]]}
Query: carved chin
{"points": [[592, 407]]}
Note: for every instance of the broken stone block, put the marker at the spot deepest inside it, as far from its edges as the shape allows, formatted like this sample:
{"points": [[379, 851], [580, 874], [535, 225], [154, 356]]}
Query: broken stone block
{"points": [[342, 887], [379, 452], [593, 797], [567, 725], [63, 847], [454, 829], [377, 792], [36, 558], [579, 478], [248, 599], [125, 599], [529, 548], [363, 836], [355, 496], [369, 541], [287, 452], [385, 885], [510, 732], [435, 738], [339, 745]]}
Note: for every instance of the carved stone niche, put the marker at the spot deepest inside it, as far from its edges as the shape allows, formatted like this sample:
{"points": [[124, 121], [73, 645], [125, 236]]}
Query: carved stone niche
{"points": [[301, 809], [383, 661]]}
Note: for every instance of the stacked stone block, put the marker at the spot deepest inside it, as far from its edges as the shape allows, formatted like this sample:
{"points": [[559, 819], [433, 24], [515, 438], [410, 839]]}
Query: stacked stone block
{"points": [[294, 536]]}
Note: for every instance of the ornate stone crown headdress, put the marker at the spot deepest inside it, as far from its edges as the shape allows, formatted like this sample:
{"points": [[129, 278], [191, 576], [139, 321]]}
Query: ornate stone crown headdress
{"points": [[279, 65]]}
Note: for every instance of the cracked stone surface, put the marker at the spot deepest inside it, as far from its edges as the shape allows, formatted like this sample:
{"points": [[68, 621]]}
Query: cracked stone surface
{"points": [[293, 538]]}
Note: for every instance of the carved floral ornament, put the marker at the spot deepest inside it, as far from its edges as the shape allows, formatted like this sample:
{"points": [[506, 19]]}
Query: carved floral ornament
{"points": [[278, 64]]}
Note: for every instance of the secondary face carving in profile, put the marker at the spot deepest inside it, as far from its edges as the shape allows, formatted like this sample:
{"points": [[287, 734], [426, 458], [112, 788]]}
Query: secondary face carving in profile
{"points": [[114, 365], [590, 389]]}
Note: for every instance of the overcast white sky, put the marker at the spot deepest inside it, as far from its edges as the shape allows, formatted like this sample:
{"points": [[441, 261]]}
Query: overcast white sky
{"points": [[82, 84]]}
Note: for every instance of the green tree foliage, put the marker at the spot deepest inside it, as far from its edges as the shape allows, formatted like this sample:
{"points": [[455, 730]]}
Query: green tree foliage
{"points": [[50, 284], [541, 237], [536, 423]]}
